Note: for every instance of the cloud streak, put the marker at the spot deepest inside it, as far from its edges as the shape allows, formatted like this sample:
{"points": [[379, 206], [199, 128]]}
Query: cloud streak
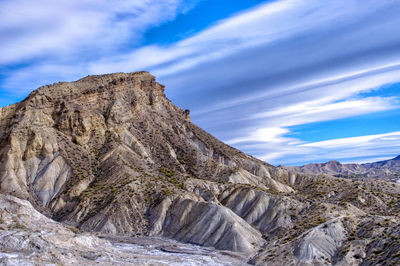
{"points": [[56, 40], [53, 28], [355, 149], [379, 145]]}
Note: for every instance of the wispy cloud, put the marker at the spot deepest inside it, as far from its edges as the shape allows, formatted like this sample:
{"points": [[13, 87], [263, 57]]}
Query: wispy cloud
{"points": [[57, 39], [351, 149], [366, 148], [44, 27], [299, 114], [317, 111]]}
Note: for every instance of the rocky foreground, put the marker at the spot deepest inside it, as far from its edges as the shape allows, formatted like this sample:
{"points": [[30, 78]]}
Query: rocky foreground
{"points": [[113, 156], [29, 238]]}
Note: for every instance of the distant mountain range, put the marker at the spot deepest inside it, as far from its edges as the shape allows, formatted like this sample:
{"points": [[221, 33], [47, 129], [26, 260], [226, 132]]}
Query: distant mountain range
{"points": [[388, 169]]}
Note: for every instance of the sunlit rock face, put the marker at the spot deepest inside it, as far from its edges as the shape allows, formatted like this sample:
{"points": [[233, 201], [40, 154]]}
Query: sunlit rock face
{"points": [[111, 154]]}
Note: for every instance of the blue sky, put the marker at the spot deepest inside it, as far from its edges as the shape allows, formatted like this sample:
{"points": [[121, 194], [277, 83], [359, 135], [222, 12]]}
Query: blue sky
{"points": [[288, 81]]}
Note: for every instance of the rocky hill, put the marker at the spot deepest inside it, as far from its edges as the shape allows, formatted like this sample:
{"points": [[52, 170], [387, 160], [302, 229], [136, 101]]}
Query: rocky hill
{"points": [[112, 155], [387, 170]]}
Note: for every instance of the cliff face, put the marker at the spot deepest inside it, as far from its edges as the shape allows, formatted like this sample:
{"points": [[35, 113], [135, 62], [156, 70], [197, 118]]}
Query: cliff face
{"points": [[112, 154]]}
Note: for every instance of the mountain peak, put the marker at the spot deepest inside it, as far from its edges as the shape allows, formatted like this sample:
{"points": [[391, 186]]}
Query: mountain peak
{"points": [[92, 84], [116, 80], [111, 95], [333, 162]]}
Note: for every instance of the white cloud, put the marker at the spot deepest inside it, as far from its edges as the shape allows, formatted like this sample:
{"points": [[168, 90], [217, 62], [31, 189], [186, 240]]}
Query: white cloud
{"points": [[355, 141], [318, 111], [378, 145], [272, 134], [86, 28], [276, 121], [58, 39], [360, 149]]}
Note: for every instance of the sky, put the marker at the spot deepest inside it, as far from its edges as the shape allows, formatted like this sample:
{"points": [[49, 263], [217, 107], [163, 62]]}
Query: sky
{"points": [[288, 81]]}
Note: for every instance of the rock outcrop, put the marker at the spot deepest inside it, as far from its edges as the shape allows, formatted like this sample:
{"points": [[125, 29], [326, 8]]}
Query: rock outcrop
{"points": [[112, 155]]}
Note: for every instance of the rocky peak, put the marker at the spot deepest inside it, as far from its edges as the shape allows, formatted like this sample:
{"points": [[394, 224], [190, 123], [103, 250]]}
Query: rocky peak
{"points": [[72, 104], [113, 83], [333, 162]]}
